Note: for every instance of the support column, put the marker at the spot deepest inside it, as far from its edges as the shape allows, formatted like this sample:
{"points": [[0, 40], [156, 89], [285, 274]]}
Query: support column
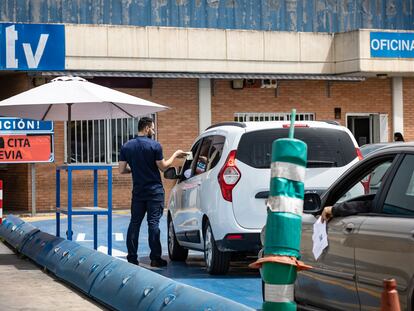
{"points": [[33, 182], [397, 105], [204, 104]]}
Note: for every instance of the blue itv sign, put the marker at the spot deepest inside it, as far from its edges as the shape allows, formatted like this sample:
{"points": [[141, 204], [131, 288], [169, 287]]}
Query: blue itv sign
{"points": [[32, 47], [392, 44]]}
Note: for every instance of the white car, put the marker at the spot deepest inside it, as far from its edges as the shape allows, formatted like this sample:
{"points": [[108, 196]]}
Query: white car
{"points": [[218, 204]]}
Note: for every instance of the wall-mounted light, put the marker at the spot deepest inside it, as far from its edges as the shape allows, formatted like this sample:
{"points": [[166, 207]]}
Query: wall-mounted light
{"points": [[337, 112], [237, 84], [382, 76]]}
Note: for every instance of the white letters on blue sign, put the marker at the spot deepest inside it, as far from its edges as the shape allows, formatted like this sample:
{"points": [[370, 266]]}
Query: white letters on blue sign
{"points": [[15, 125], [32, 46], [32, 60], [392, 44], [11, 38]]}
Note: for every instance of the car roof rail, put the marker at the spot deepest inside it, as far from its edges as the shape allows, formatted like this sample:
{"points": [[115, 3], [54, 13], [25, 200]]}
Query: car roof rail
{"points": [[239, 124], [333, 122]]}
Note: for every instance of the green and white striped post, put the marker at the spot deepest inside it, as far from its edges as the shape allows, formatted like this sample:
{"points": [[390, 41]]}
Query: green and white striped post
{"points": [[284, 222]]}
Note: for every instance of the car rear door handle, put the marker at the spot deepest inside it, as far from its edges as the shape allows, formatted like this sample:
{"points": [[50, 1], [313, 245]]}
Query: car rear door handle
{"points": [[349, 227]]}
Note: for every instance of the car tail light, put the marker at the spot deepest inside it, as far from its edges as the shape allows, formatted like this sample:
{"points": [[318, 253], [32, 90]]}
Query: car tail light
{"points": [[229, 176], [359, 154]]}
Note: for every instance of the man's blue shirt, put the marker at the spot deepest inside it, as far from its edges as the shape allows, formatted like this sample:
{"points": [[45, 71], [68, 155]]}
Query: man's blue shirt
{"points": [[141, 153]]}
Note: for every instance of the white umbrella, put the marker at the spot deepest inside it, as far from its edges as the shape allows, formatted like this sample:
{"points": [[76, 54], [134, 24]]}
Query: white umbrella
{"points": [[84, 100], [74, 98]]}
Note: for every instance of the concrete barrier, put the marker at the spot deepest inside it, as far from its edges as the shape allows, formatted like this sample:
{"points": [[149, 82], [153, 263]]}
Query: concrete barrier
{"points": [[82, 266], [115, 283], [128, 287], [16, 232], [59, 254], [38, 245]]}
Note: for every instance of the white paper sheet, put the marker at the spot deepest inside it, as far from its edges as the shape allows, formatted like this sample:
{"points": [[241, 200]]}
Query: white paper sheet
{"points": [[319, 237]]}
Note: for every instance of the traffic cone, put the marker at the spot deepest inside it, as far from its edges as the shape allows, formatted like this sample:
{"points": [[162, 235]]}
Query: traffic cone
{"points": [[389, 297]]}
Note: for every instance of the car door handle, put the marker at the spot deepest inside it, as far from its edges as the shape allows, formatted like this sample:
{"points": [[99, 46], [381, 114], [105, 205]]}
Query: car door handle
{"points": [[349, 227], [412, 234]]}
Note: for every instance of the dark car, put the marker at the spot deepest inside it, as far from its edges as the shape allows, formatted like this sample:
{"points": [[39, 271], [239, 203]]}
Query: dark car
{"points": [[364, 249], [368, 148]]}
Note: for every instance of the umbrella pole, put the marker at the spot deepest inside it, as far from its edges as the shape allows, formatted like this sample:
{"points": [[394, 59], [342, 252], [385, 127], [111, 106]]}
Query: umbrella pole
{"points": [[69, 142]]}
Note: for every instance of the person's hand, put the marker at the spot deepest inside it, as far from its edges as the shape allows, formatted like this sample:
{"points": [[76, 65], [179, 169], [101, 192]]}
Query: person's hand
{"points": [[180, 154], [326, 214]]}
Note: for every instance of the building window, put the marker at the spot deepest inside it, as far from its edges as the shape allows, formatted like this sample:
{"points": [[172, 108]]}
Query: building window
{"points": [[99, 141], [271, 116]]}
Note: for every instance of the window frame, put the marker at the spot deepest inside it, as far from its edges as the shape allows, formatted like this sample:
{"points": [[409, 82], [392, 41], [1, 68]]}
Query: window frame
{"points": [[342, 185], [277, 116], [111, 147], [196, 145], [194, 165], [390, 180], [215, 143]]}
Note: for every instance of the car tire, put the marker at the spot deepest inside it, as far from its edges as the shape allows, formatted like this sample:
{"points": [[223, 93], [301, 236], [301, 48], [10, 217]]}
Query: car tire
{"points": [[217, 262], [175, 251]]}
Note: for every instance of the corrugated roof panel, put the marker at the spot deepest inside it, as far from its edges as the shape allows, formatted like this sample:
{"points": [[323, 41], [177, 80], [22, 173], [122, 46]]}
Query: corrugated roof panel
{"points": [[87, 74], [274, 15]]}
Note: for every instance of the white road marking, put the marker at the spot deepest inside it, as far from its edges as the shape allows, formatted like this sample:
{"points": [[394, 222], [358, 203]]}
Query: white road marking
{"points": [[115, 252], [119, 236], [81, 238]]}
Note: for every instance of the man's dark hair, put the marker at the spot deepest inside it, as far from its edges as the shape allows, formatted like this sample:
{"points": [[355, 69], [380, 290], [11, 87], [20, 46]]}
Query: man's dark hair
{"points": [[143, 122]]}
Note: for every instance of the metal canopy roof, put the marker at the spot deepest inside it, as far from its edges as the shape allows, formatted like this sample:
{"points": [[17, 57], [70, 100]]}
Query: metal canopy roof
{"points": [[129, 74]]}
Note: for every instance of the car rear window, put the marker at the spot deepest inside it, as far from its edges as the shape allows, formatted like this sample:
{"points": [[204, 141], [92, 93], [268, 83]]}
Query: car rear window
{"points": [[326, 147]]}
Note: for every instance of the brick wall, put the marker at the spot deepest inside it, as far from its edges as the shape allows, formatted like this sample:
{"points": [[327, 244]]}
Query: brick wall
{"points": [[15, 176], [178, 126], [371, 96], [408, 97]]}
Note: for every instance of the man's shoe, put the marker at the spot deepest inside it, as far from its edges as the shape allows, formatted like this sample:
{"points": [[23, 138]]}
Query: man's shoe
{"points": [[158, 262], [134, 262]]}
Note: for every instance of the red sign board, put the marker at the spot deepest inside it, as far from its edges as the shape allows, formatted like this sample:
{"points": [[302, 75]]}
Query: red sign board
{"points": [[26, 148]]}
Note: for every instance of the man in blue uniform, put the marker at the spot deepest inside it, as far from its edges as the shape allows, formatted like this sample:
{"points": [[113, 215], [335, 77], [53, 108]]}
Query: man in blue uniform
{"points": [[143, 157]]}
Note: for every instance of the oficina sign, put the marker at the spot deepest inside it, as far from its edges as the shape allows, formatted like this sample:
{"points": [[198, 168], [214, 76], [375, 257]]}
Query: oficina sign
{"points": [[392, 44], [32, 47]]}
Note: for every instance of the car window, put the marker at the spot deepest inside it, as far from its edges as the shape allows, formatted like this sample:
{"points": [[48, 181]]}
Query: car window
{"points": [[215, 152], [369, 183], [326, 147], [186, 170], [400, 197], [200, 164]]}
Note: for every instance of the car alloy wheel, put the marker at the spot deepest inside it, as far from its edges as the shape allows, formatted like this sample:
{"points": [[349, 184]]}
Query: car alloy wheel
{"points": [[208, 248], [171, 236], [217, 262], [175, 251]]}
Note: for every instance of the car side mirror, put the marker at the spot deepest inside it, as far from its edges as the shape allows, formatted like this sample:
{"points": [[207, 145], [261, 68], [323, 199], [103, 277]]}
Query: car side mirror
{"points": [[171, 173], [311, 203]]}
